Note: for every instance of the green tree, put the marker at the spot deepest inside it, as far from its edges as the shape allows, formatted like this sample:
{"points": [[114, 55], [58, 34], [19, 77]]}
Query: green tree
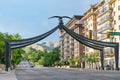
{"points": [[2, 49], [56, 53], [96, 58], [16, 56], [33, 55], [50, 57], [7, 36], [92, 58], [71, 61], [28, 51], [41, 61], [46, 58], [89, 58]]}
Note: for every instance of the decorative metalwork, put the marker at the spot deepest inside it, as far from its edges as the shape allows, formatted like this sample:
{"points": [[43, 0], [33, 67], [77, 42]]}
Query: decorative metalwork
{"points": [[93, 44], [37, 38], [12, 44], [99, 45]]}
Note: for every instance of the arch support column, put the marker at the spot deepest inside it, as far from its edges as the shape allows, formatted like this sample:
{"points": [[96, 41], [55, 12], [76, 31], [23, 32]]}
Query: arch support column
{"points": [[8, 50], [102, 59], [116, 50]]}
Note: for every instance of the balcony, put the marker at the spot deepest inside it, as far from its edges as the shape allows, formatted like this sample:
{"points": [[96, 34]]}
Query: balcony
{"points": [[65, 39], [103, 36], [111, 1], [104, 19], [72, 44], [109, 52], [85, 23], [104, 10], [88, 14], [105, 27]]}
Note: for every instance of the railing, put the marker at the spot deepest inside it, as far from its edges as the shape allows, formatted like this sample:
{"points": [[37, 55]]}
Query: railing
{"points": [[85, 23], [104, 10], [102, 36], [88, 13], [108, 51], [104, 27], [107, 17]]}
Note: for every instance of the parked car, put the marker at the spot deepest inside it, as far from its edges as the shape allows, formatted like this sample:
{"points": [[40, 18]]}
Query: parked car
{"points": [[32, 65]]}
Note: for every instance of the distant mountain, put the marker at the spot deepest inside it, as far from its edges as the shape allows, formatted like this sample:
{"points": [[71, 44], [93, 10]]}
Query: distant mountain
{"points": [[45, 45], [48, 45]]}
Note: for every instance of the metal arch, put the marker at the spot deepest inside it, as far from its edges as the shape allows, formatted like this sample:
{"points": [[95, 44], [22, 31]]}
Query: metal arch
{"points": [[98, 47], [98, 43], [13, 46], [23, 41], [95, 42], [86, 41], [8, 50], [61, 26], [108, 44], [94, 46], [60, 20]]}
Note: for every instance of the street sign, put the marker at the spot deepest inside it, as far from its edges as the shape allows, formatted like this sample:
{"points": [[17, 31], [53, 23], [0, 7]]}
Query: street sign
{"points": [[115, 33]]}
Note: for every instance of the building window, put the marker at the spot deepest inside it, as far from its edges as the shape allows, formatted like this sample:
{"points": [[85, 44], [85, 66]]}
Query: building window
{"points": [[119, 17], [115, 40], [114, 30], [91, 25], [113, 13], [119, 7], [114, 22], [113, 4]]}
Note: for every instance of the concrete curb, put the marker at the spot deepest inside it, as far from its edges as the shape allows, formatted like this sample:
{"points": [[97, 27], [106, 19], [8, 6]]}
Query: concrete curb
{"points": [[7, 75]]}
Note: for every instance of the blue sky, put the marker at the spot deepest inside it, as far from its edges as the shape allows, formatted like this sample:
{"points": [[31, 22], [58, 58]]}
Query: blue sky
{"points": [[29, 18]]}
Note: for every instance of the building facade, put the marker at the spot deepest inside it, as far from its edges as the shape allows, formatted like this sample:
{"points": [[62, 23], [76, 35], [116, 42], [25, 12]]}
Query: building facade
{"points": [[99, 20], [90, 30], [69, 46]]}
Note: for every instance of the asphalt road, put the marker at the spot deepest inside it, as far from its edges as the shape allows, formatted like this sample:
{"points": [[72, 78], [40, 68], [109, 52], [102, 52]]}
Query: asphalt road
{"points": [[65, 74]]}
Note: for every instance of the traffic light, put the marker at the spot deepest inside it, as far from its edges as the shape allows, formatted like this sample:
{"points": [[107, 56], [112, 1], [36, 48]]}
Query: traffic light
{"points": [[108, 34], [90, 34]]}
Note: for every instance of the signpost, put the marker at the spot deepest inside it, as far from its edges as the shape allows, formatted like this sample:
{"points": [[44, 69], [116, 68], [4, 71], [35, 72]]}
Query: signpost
{"points": [[114, 33]]}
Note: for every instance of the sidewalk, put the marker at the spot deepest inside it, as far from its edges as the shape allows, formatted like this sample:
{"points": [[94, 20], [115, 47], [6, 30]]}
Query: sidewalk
{"points": [[7, 75]]}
